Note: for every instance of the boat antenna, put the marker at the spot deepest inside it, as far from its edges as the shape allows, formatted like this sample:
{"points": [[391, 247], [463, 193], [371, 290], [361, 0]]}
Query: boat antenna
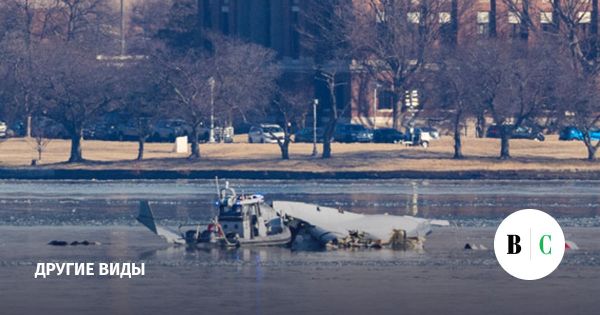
{"points": [[218, 188]]}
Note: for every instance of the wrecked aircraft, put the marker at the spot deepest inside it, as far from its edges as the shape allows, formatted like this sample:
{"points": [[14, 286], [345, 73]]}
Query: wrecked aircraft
{"points": [[335, 228], [246, 220]]}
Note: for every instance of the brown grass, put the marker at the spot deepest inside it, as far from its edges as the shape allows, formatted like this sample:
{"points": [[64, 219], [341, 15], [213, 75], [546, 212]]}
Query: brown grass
{"points": [[481, 154]]}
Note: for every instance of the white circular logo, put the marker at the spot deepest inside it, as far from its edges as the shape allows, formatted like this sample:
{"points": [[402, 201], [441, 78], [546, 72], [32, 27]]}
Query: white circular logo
{"points": [[529, 244]]}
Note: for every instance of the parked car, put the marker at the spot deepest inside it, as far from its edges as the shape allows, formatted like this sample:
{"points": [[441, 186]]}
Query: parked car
{"points": [[265, 133], [352, 133], [105, 127], [130, 131], [306, 135], [420, 136], [522, 132], [100, 131], [169, 129], [429, 133], [48, 128], [573, 133], [224, 135], [387, 135], [3, 129]]}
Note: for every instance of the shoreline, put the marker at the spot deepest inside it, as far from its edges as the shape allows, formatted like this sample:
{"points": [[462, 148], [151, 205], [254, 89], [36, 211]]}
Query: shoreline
{"points": [[137, 174]]}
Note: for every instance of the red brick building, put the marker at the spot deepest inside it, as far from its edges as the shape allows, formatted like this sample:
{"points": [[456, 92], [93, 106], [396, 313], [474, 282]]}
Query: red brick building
{"points": [[275, 24]]}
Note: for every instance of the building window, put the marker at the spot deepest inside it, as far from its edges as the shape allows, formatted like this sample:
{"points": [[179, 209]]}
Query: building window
{"points": [[546, 21], [225, 17], [295, 5], [385, 100], [295, 24], [414, 17], [445, 17], [584, 19], [446, 30], [514, 21], [483, 22]]}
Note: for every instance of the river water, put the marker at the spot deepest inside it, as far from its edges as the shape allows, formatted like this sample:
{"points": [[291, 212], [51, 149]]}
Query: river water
{"points": [[442, 279]]}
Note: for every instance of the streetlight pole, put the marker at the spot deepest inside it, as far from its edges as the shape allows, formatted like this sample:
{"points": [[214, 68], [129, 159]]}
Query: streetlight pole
{"points": [[315, 103], [123, 48], [211, 82], [375, 105]]}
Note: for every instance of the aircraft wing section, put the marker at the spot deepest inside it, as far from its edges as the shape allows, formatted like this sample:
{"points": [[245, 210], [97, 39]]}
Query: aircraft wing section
{"points": [[339, 222], [329, 219]]}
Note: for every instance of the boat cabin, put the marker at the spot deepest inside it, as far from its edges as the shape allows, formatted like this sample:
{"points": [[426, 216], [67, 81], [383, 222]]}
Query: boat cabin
{"points": [[243, 216]]}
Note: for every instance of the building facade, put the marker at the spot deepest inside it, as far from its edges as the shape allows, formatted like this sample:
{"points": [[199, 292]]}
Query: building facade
{"points": [[276, 24]]}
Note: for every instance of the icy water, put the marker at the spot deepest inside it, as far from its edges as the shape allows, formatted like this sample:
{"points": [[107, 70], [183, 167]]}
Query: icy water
{"points": [[444, 279]]}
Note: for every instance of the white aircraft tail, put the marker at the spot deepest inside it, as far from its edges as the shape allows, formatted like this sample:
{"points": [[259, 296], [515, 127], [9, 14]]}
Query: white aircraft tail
{"points": [[146, 217]]}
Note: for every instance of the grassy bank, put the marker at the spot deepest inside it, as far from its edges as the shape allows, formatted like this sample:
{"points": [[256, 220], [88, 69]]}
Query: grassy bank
{"points": [[481, 155]]}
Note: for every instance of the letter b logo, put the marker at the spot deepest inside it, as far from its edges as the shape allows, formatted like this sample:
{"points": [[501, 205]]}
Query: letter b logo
{"points": [[513, 244]]}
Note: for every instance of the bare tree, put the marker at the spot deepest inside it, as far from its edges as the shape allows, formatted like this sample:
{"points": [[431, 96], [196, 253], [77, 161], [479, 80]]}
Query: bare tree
{"points": [[579, 102], [575, 33], [39, 143], [450, 89], [189, 80], [19, 44], [75, 89], [147, 19], [292, 103], [330, 79], [245, 76], [84, 21], [327, 35], [142, 98], [231, 78], [514, 87]]}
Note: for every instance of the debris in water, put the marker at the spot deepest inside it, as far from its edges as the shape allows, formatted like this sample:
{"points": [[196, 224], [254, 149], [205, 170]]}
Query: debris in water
{"points": [[74, 243], [571, 245], [469, 246], [57, 243]]}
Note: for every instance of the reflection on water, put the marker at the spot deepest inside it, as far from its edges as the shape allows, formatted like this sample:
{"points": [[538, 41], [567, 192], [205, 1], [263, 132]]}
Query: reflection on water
{"points": [[115, 202]]}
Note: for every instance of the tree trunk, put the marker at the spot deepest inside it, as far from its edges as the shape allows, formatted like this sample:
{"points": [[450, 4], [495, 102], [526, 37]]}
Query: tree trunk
{"points": [[76, 147], [326, 149], [285, 150], [195, 145], [592, 153], [457, 138], [141, 144], [395, 109], [327, 135], [480, 128], [591, 148], [504, 145]]}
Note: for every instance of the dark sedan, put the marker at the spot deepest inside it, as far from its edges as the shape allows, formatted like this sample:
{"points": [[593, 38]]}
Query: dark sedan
{"points": [[531, 133], [306, 135], [387, 135]]}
